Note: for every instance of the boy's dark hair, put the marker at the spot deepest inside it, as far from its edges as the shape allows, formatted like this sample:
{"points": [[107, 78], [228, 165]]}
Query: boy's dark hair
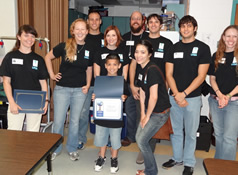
{"points": [[154, 15], [94, 11], [188, 19], [113, 57]]}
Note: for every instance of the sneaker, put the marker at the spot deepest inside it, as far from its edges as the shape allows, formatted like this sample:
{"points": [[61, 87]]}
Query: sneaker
{"points": [[188, 170], [74, 156], [170, 164], [99, 163], [53, 156], [81, 146], [140, 158], [114, 165]]}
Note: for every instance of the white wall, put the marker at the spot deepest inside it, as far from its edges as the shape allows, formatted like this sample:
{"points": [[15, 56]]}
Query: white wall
{"points": [[213, 17], [8, 18]]}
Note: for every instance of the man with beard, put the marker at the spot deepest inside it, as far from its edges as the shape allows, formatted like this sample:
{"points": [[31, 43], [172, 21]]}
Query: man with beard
{"points": [[132, 104]]}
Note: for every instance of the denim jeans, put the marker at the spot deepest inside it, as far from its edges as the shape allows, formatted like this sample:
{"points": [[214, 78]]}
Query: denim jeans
{"points": [[185, 120], [84, 117], [225, 123], [65, 97], [132, 109], [103, 133], [143, 136]]}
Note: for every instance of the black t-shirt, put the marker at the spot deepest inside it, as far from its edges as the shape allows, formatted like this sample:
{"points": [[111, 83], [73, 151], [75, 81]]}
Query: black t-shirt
{"points": [[186, 57], [74, 74], [149, 76], [97, 42], [25, 70], [114, 123], [161, 46], [130, 41], [100, 58], [226, 75]]}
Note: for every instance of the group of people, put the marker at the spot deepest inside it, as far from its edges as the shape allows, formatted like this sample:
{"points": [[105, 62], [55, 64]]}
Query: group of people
{"points": [[150, 64]]}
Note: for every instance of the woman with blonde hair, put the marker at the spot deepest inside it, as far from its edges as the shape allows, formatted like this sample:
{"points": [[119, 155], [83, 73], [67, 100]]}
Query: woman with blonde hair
{"points": [[72, 83], [223, 101]]}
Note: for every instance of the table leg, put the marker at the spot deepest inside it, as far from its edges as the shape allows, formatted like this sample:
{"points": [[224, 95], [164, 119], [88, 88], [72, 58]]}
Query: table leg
{"points": [[49, 164]]}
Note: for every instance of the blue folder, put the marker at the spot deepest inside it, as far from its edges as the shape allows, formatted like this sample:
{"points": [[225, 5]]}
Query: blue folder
{"points": [[30, 101], [108, 91]]}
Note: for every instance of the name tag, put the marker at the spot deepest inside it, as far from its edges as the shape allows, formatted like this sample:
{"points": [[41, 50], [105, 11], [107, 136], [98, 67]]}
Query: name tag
{"points": [[140, 77], [222, 61], [103, 56], [17, 61], [178, 55], [159, 55], [130, 43]]}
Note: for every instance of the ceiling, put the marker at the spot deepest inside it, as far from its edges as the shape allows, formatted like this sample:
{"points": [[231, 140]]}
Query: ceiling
{"points": [[141, 3]]}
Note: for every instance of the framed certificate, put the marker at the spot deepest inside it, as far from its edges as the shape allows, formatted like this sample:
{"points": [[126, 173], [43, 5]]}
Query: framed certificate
{"points": [[108, 109], [30, 101]]}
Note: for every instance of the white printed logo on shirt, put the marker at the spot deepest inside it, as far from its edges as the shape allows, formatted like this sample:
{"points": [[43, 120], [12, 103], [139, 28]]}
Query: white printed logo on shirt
{"points": [[178, 55], [102, 43], [140, 77], [35, 64], [234, 62], [121, 57], [86, 54], [161, 47], [17, 61], [194, 51]]}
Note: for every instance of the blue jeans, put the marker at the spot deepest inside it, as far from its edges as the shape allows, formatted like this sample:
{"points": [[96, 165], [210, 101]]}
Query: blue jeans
{"points": [[84, 117], [102, 134], [132, 109], [185, 119], [65, 97], [225, 123], [143, 136]]}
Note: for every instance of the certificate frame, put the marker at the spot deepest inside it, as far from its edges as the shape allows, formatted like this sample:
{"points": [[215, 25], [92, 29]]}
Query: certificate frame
{"points": [[30, 101], [107, 109]]}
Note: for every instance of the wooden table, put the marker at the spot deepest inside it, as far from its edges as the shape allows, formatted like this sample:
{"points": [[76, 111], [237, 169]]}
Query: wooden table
{"points": [[220, 167], [21, 151]]}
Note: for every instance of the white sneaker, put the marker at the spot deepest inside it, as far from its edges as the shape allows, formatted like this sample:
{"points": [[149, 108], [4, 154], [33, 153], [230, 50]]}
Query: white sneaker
{"points": [[100, 163], [53, 156], [74, 156], [114, 165]]}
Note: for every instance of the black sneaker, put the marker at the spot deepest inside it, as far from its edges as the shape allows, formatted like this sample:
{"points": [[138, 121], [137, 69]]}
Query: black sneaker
{"points": [[188, 170], [114, 165], [99, 163], [170, 164]]}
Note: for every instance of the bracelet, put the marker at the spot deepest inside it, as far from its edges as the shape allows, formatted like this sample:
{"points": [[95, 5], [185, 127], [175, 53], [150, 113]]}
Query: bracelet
{"points": [[216, 90], [185, 93], [47, 100], [229, 95]]}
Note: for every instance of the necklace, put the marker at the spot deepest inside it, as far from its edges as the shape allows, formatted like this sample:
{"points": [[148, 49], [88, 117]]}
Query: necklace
{"points": [[78, 51]]}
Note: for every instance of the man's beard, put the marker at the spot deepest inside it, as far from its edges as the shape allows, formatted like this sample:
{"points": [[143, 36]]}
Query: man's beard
{"points": [[136, 30]]}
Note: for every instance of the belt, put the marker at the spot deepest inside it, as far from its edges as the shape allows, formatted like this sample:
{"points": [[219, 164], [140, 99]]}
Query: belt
{"points": [[231, 99], [163, 112]]}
